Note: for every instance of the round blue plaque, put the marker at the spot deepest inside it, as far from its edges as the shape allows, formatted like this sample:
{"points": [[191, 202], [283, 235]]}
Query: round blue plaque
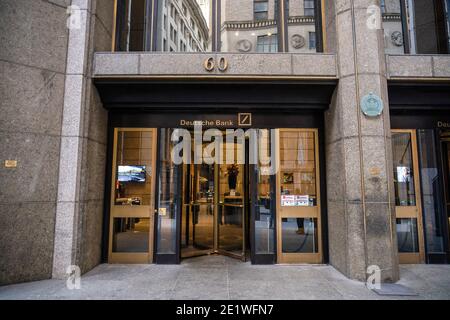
{"points": [[372, 105]]}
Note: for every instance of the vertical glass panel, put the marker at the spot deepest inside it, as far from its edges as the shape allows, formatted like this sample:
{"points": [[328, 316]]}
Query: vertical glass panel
{"points": [[405, 193], [231, 195], [447, 22], [392, 25], [248, 26], [299, 235], [184, 25], [131, 25], [301, 25], [433, 200], [430, 27], [297, 168], [169, 195], [264, 211], [426, 23], [407, 238], [131, 234], [197, 226], [134, 168]]}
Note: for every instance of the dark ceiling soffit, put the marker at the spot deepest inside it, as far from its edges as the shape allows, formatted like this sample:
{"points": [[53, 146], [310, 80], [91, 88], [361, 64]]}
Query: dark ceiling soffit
{"points": [[313, 95], [424, 96]]}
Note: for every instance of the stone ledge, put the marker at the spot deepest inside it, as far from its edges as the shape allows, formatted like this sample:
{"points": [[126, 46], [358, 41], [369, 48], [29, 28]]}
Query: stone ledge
{"points": [[418, 66], [192, 64]]}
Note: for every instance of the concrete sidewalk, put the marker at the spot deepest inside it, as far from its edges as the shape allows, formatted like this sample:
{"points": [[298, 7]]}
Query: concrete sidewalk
{"points": [[218, 277]]}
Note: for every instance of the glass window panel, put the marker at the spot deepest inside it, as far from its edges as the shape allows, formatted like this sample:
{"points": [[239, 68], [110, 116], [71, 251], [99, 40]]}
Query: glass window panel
{"points": [[264, 211], [297, 168], [433, 200], [190, 25], [299, 235], [392, 25], [169, 195], [267, 43], [133, 168], [407, 238], [309, 7], [240, 29], [426, 22], [405, 193], [131, 25], [131, 234], [301, 25], [261, 6], [312, 40], [184, 26]]}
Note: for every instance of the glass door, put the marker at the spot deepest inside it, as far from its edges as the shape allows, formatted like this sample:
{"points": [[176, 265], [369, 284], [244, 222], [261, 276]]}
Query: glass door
{"points": [[298, 197], [407, 197], [132, 196], [197, 217], [231, 209]]}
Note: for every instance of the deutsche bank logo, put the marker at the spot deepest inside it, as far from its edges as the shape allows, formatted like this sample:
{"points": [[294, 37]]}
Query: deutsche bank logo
{"points": [[245, 119]]}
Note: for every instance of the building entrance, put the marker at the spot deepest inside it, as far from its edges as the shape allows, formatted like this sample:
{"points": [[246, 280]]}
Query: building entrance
{"points": [[215, 210], [251, 194]]}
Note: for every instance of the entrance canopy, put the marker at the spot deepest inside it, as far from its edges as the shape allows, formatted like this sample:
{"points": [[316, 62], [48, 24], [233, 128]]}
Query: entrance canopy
{"points": [[224, 94]]}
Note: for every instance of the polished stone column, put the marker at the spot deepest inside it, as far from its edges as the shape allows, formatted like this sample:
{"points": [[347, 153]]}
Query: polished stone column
{"points": [[361, 211], [79, 207]]}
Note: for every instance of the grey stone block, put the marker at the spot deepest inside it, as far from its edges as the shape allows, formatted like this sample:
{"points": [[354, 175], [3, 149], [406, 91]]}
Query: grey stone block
{"points": [[74, 101], [26, 241], [69, 169], [409, 66], [346, 63], [441, 66], [175, 64], [93, 172], [104, 11], [36, 175], [314, 65], [31, 99], [78, 46], [66, 230], [91, 242], [257, 64], [116, 64]]}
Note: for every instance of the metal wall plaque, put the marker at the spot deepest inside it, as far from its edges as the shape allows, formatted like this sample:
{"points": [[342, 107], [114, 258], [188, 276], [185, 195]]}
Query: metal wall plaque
{"points": [[372, 105], [10, 163]]}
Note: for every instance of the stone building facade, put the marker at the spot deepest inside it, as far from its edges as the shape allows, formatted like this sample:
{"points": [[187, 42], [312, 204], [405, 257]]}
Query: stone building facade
{"points": [[77, 73]]}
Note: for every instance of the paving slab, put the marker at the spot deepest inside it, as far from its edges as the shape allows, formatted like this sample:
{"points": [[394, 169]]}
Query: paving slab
{"points": [[224, 278]]}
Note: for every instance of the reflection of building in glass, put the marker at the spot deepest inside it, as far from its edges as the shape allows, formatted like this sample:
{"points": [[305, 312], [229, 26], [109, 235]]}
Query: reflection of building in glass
{"points": [[242, 25], [392, 25], [185, 26], [425, 29], [253, 26]]}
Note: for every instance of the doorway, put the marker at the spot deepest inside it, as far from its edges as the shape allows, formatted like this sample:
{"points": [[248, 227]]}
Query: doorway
{"points": [[215, 206]]}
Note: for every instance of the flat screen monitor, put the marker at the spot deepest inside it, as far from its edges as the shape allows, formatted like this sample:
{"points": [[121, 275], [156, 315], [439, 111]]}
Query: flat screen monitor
{"points": [[131, 174]]}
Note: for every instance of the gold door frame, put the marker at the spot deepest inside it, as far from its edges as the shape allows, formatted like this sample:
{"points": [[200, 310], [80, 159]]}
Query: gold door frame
{"points": [[298, 212], [130, 211], [413, 211]]}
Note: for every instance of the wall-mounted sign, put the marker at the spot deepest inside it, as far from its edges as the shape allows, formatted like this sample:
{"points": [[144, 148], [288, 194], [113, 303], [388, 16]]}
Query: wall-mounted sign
{"points": [[10, 163], [207, 123], [245, 119], [372, 105], [443, 124], [294, 200]]}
